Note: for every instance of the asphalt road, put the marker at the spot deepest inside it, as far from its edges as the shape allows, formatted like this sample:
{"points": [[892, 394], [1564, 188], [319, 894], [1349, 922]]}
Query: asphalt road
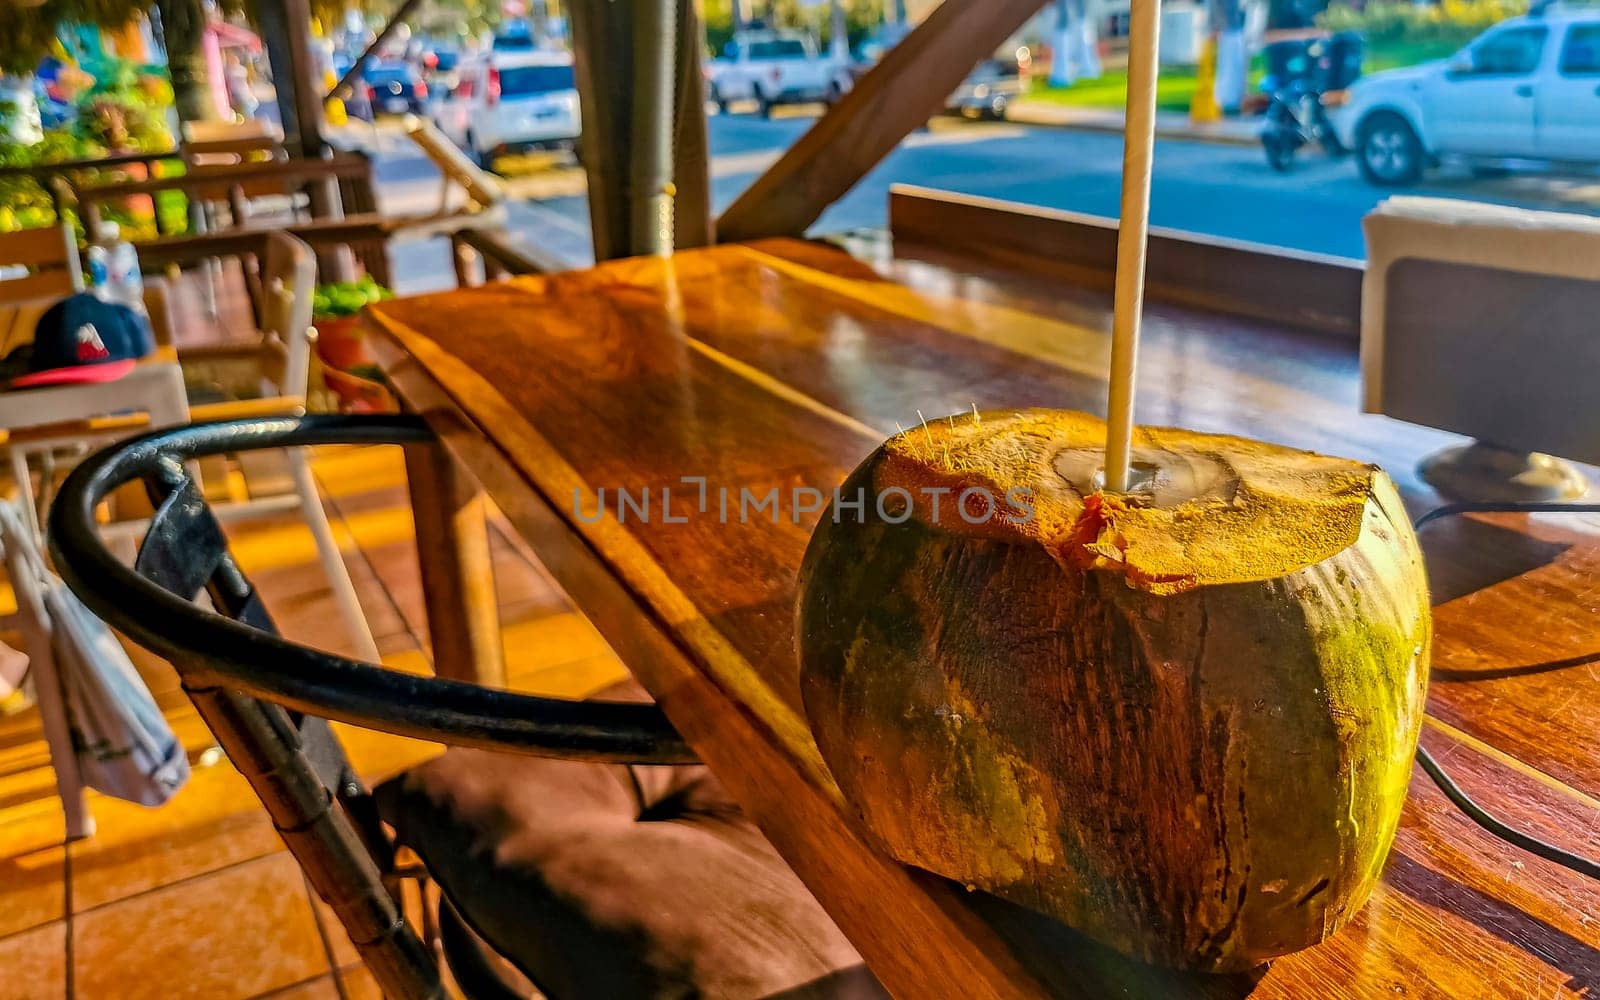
{"points": [[1220, 190]]}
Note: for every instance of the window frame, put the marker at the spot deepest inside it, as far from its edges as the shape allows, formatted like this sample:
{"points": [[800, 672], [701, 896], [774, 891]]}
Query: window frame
{"points": [[1566, 43], [1542, 30]]}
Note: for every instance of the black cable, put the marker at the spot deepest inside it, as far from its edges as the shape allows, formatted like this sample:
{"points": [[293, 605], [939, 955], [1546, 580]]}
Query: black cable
{"points": [[1487, 820], [1475, 812]]}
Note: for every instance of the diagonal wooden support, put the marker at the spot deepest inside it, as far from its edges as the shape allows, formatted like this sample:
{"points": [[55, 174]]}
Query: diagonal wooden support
{"points": [[898, 95], [395, 21]]}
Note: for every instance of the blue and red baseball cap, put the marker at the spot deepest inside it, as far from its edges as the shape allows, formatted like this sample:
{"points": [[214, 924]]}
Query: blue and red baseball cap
{"points": [[82, 339]]}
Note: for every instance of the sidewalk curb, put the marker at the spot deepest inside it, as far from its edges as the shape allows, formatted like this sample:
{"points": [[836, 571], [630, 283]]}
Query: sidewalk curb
{"points": [[1019, 115]]}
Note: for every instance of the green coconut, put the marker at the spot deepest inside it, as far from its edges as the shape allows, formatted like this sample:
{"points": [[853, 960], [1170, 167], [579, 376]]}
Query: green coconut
{"points": [[1180, 719]]}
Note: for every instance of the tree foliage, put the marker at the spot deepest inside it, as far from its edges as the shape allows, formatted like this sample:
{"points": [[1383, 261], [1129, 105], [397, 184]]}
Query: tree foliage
{"points": [[861, 18], [30, 31]]}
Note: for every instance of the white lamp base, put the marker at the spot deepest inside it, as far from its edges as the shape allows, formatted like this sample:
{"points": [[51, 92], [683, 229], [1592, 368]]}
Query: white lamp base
{"points": [[1487, 474]]}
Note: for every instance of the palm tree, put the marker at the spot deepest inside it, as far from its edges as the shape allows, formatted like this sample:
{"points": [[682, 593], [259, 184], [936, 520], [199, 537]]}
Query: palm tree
{"points": [[1076, 41]]}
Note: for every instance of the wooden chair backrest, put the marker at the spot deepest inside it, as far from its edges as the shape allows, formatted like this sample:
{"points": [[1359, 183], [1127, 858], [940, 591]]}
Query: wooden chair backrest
{"points": [[207, 144], [222, 131], [217, 180], [229, 151], [50, 257], [288, 270]]}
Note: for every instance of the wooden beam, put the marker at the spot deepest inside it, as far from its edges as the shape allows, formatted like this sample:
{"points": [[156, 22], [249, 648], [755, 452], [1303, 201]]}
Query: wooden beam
{"points": [[1282, 286], [897, 96], [395, 20]]}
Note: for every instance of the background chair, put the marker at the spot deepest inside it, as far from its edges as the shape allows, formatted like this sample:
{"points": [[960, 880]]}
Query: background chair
{"points": [[269, 375], [24, 563], [53, 427], [594, 874], [39, 265]]}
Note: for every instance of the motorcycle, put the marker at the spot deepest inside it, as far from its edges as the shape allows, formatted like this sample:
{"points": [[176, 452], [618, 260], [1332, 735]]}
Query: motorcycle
{"points": [[1300, 73], [1296, 117]]}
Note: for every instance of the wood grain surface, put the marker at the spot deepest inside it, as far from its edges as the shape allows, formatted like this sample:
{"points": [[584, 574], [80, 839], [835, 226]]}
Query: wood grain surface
{"points": [[782, 364]]}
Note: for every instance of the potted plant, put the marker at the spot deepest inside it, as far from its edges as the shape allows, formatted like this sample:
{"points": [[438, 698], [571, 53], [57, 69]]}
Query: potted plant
{"points": [[348, 367], [335, 308]]}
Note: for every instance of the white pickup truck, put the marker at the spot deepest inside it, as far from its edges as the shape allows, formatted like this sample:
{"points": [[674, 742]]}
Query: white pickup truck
{"points": [[775, 67], [1526, 89]]}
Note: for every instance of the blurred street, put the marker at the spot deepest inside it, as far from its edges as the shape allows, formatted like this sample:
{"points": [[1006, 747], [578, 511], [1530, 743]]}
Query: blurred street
{"points": [[1218, 189]]}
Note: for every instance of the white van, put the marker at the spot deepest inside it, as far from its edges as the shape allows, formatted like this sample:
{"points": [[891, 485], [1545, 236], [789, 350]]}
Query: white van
{"points": [[509, 101]]}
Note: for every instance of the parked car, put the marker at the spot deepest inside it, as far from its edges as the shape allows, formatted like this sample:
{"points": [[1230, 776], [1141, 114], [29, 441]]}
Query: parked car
{"points": [[512, 101], [989, 90], [442, 68], [775, 67], [1526, 89], [395, 88], [514, 36]]}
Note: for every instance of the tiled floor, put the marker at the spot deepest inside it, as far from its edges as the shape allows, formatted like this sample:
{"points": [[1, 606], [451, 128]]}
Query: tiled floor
{"points": [[198, 898]]}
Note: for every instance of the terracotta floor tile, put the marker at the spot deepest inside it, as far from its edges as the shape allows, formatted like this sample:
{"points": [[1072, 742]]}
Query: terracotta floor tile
{"points": [[33, 872], [395, 565], [26, 752], [235, 933], [320, 988], [576, 679], [378, 756], [214, 822], [354, 500], [33, 964], [302, 605], [395, 643], [543, 640], [359, 984], [346, 472], [24, 785]]}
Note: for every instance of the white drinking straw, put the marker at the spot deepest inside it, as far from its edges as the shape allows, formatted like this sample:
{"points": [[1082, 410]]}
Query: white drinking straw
{"points": [[1138, 146]]}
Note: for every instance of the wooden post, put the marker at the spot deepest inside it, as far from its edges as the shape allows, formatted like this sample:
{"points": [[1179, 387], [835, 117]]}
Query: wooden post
{"points": [[638, 75], [457, 571], [652, 114], [286, 29]]}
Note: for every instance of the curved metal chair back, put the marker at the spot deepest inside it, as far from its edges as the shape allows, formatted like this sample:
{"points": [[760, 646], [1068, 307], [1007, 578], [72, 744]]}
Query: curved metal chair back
{"points": [[267, 700]]}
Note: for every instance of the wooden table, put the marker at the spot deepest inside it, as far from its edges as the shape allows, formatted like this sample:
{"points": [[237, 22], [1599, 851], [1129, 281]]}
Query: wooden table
{"points": [[783, 364]]}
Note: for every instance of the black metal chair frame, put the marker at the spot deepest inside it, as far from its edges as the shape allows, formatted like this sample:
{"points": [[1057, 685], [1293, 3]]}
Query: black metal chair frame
{"points": [[268, 701]]}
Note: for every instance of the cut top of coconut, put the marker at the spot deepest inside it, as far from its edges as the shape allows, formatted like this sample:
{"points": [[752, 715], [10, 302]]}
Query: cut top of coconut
{"points": [[1201, 509]]}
